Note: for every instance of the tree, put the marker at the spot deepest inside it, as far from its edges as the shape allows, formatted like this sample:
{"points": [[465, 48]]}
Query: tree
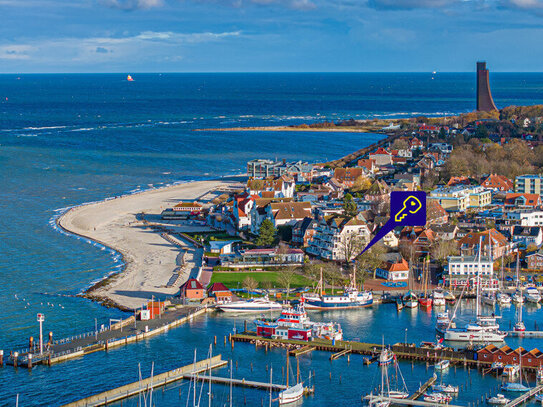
{"points": [[285, 232], [250, 284], [266, 233], [349, 206], [400, 144], [443, 249], [286, 278], [362, 183], [350, 246], [370, 260]]}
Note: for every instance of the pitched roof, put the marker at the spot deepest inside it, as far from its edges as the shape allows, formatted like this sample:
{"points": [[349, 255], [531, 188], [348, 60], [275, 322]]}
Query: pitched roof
{"points": [[529, 199], [380, 151], [486, 237], [498, 181], [192, 284], [347, 174], [217, 287], [434, 210], [400, 265], [290, 210]]}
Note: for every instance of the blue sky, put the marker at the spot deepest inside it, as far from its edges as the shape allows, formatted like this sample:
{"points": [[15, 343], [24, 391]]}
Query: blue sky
{"points": [[270, 35]]}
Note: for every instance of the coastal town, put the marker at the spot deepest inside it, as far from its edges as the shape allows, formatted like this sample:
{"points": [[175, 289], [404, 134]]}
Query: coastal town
{"points": [[289, 239]]}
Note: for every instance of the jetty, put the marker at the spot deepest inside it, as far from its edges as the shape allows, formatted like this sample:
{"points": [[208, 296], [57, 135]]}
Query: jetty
{"points": [[525, 397], [373, 399], [236, 382], [423, 387], [150, 383], [122, 333], [526, 334]]}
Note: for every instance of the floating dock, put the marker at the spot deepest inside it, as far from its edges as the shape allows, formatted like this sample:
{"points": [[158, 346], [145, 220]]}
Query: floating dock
{"points": [[423, 387], [525, 397], [526, 334], [236, 382], [144, 385]]}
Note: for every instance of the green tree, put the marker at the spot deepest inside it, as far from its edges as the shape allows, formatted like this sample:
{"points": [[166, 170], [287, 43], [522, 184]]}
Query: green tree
{"points": [[349, 206], [266, 233]]}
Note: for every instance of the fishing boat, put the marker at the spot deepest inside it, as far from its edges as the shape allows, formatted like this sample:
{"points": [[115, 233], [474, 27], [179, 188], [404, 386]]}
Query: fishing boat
{"points": [[399, 304], [350, 298], [425, 301], [517, 297], [532, 295], [445, 388], [293, 393], [438, 398], [498, 400], [439, 298], [410, 299], [129, 78], [294, 323], [442, 365], [385, 357], [444, 322], [255, 305]]}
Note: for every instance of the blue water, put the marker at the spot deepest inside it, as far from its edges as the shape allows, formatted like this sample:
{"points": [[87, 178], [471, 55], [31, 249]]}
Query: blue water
{"points": [[70, 139]]}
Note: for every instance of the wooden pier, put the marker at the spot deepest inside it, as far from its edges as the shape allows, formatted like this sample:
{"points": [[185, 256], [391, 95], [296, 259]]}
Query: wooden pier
{"points": [[339, 354], [105, 339], [140, 387], [302, 351], [406, 402], [403, 351], [526, 334], [236, 382], [525, 397], [423, 387]]}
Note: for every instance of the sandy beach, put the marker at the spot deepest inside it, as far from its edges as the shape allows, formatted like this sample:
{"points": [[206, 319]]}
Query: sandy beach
{"points": [[150, 259]]}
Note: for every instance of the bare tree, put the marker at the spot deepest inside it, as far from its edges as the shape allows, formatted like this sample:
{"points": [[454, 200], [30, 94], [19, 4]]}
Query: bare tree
{"points": [[286, 278], [250, 284], [350, 246], [442, 249]]}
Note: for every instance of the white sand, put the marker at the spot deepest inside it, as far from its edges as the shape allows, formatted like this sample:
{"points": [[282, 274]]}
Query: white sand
{"points": [[150, 259]]}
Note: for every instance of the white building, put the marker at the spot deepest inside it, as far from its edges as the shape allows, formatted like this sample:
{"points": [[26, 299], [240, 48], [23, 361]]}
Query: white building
{"points": [[525, 217], [338, 237], [463, 270]]}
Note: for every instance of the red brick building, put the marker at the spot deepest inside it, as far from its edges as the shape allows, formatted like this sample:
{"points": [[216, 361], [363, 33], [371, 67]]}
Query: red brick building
{"points": [[498, 182], [192, 290], [508, 356]]}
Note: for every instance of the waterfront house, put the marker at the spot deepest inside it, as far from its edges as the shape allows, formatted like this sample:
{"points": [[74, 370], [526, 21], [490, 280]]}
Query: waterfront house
{"points": [[220, 246], [338, 236], [509, 356], [192, 290], [183, 210], [394, 270], [220, 293], [463, 270]]}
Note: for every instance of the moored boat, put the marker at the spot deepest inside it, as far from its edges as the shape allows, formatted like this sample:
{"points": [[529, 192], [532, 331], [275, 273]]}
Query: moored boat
{"points": [[498, 400], [532, 295], [385, 357], [410, 299], [291, 394], [254, 305], [439, 298], [438, 398], [442, 365], [511, 370], [445, 388], [514, 387]]}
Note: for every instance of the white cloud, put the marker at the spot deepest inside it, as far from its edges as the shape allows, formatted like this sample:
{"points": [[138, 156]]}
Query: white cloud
{"points": [[132, 4], [15, 51]]}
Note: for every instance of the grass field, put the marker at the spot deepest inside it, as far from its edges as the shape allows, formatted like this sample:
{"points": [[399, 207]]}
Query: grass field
{"points": [[231, 279]]}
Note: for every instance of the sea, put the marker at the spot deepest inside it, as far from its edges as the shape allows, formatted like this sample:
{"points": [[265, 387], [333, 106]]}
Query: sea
{"points": [[70, 139]]}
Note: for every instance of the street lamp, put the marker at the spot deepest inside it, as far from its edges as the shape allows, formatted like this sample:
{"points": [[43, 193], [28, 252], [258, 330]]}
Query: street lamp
{"points": [[41, 318]]}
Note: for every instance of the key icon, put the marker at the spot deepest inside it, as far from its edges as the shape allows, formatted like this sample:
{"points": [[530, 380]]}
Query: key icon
{"points": [[410, 205]]}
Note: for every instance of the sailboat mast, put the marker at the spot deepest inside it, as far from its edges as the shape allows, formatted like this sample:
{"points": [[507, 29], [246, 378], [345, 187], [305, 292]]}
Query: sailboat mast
{"points": [[231, 368], [297, 370], [287, 367], [478, 277], [271, 381]]}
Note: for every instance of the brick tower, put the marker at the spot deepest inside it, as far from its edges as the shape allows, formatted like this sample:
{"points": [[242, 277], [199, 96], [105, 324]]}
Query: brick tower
{"points": [[484, 97]]}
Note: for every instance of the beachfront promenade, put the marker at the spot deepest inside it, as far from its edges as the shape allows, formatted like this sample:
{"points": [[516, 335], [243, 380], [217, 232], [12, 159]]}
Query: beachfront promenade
{"points": [[125, 332]]}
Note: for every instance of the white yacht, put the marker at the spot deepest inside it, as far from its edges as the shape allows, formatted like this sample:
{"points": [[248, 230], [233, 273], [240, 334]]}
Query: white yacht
{"points": [[532, 294], [254, 305], [503, 299], [439, 298]]}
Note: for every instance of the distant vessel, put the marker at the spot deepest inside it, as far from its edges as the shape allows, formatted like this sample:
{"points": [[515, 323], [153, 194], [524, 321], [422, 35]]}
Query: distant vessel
{"points": [[255, 305], [532, 294], [129, 78], [351, 298], [442, 365], [498, 400]]}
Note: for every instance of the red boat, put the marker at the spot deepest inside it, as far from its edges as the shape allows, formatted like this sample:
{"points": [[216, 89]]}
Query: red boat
{"points": [[425, 302]]}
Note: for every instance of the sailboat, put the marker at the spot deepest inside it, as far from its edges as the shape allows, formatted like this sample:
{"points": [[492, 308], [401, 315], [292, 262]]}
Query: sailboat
{"points": [[484, 328], [129, 78], [293, 393], [519, 325], [516, 387], [439, 298], [517, 296], [410, 299], [351, 298], [502, 298], [425, 300]]}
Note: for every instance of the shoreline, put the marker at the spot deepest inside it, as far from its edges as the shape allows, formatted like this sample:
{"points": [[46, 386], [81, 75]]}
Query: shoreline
{"points": [[295, 129], [112, 223]]}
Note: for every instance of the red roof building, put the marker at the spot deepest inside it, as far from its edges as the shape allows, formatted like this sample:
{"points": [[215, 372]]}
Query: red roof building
{"points": [[192, 290], [220, 292], [519, 200], [498, 183]]}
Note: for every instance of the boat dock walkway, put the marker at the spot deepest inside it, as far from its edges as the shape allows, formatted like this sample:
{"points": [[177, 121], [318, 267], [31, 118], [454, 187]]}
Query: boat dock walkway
{"points": [[402, 351], [423, 387], [339, 354], [373, 399], [144, 385], [302, 351], [127, 331], [525, 397], [236, 382]]}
